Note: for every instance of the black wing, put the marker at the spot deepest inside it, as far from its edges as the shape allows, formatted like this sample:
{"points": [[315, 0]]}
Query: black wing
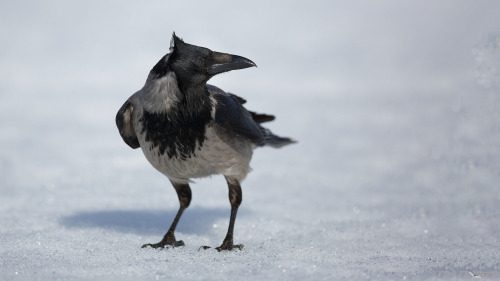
{"points": [[257, 117], [231, 115], [125, 125]]}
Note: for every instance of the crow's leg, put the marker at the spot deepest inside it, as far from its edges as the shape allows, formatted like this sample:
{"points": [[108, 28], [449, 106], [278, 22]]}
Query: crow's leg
{"points": [[184, 194], [235, 197]]}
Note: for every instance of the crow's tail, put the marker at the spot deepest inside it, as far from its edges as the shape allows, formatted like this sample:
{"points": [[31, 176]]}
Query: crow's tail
{"points": [[276, 141]]}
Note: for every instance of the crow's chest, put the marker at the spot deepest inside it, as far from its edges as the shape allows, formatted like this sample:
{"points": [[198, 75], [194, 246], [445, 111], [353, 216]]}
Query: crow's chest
{"points": [[173, 137]]}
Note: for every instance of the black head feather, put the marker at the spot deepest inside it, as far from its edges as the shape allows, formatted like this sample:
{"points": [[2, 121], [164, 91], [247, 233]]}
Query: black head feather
{"points": [[194, 65]]}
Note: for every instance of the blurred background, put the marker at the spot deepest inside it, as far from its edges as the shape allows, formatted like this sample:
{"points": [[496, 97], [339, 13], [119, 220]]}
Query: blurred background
{"points": [[395, 105]]}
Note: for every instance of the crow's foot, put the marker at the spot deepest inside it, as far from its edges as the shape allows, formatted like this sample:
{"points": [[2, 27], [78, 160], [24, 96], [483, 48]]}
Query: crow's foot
{"points": [[168, 240], [163, 245], [223, 247], [228, 245]]}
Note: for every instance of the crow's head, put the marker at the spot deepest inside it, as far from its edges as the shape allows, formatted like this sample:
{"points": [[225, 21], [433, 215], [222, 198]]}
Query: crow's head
{"points": [[194, 65]]}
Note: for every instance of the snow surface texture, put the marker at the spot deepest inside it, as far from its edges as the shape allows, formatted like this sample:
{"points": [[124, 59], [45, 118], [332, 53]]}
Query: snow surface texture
{"points": [[395, 105]]}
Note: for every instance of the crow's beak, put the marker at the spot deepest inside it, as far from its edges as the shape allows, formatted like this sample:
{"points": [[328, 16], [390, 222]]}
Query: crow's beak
{"points": [[226, 62]]}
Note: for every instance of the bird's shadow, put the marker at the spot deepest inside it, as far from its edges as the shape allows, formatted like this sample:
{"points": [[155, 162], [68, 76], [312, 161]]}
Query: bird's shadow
{"points": [[196, 220]]}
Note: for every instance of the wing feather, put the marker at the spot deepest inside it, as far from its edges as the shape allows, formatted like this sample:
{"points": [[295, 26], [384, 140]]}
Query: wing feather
{"points": [[126, 126], [231, 115]]}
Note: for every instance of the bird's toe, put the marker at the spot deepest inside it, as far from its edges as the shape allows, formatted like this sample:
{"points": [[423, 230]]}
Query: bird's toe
{"points": [[168, 240], [164, 245], [229, 246]]}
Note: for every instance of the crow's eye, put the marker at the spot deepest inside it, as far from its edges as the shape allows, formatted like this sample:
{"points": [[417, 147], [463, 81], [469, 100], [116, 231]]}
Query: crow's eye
{"points": [[198, 62]]}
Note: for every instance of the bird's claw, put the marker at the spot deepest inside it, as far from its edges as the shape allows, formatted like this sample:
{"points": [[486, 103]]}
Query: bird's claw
{"points": [[168, 240], [227, 245], [223, 247], [164, 245]]}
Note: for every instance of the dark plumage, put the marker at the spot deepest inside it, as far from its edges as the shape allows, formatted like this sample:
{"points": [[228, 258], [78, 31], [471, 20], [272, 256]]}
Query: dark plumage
{"points": [[188, 129]]}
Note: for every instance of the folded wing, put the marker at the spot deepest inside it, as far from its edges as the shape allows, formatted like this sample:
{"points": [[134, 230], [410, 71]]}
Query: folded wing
{"points": [[125, 125]]}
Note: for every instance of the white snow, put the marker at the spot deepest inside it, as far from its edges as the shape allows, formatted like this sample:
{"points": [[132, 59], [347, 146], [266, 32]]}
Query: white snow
{"points": [[395, 105]]}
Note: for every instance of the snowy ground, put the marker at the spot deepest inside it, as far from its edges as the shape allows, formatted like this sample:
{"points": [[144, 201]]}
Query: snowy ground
{"points": [[396, 174]]}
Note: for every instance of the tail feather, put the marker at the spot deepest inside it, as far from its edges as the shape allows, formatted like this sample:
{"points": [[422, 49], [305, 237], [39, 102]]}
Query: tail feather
{"points": [[261, 118], [269, 138], [276, 141]]}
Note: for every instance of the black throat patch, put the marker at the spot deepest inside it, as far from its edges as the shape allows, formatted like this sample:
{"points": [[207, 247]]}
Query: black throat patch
{"points": [[175, 135]]}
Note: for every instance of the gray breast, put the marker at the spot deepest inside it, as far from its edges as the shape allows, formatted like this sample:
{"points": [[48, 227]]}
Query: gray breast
{"points": [[219, 153]]}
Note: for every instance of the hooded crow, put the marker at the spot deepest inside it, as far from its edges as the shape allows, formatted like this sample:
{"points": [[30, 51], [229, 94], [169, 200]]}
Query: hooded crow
{"points": [[189, 129]]}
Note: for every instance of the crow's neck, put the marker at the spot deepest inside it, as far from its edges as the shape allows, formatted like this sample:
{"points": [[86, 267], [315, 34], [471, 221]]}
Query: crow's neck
{"points": [[196, 99], [171, 97]]}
